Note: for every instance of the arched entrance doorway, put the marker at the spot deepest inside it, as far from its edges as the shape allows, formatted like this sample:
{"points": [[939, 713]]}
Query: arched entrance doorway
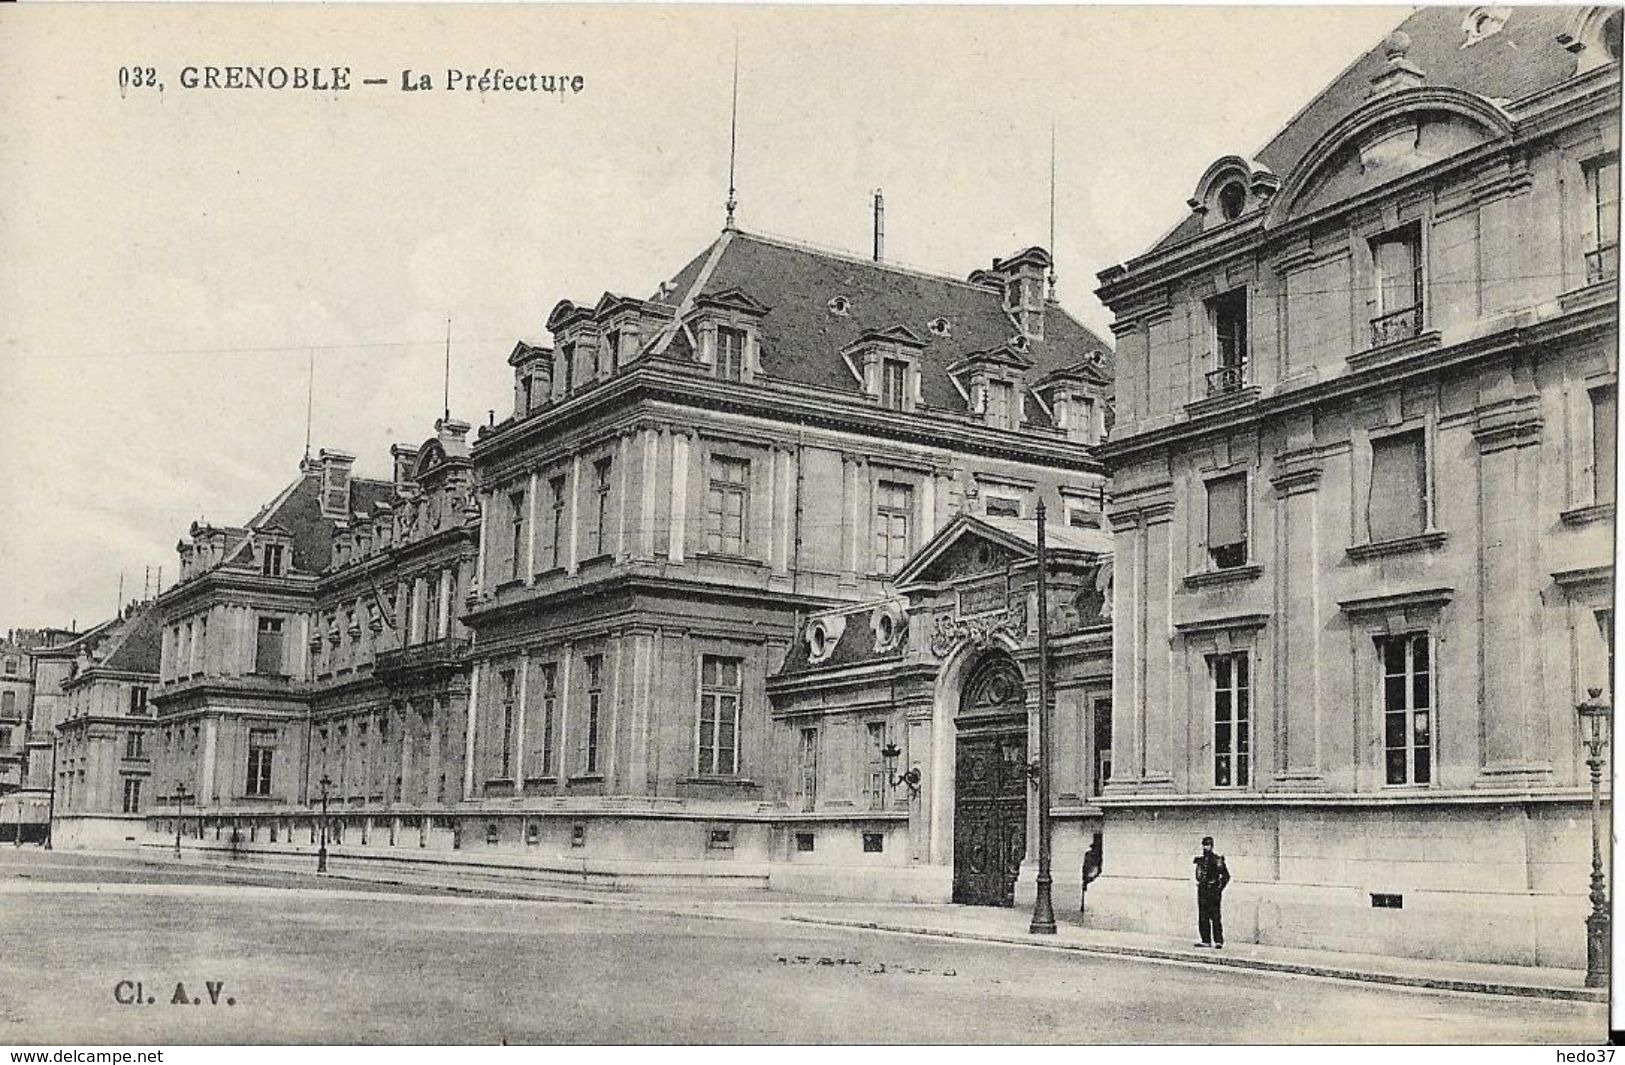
{"points": [[990, 784]]}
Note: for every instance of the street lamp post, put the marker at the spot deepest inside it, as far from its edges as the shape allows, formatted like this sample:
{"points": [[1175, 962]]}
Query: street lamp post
{"points": [[321, 853], [50, 809], [180, 813], [1043, 922], [1595, 714]]}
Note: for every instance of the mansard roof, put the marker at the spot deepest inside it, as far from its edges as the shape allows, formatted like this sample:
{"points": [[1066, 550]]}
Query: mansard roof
{"points": [[138, 643], [298, 511], [1523, 57], [802, 338]]}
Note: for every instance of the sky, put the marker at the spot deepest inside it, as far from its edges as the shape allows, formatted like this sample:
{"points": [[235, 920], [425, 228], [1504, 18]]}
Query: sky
{"points": [[176, 264]]}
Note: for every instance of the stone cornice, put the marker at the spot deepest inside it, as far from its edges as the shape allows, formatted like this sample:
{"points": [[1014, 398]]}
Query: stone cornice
{"points": [[1599, 318], [611, 405], [1432, 598]]}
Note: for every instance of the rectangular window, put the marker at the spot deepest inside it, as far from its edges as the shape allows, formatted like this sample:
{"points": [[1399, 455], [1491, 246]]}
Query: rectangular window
{"points": [[1232, 720], [1396, 258], [807, 769], [600, 526], [612, 350], [268, 648], [5, 739], [730, 354], [893, 383], [550, 704], [1604, 440], [516, 538], [1227, 521], [8, 703], [271, 560], [261, 748], [567, 363], [595, 701], [721, 692], [1227, 315], [11, 665], [132, 795], [726, 503], [1604, 181], [894, 509], [875, 745], [431, 607], [1103, 745], [138, 699], [1001, 404], [505, 752], [1397, 505], [555, 488], [1001, 507], [1407, 706], [132, 744]]}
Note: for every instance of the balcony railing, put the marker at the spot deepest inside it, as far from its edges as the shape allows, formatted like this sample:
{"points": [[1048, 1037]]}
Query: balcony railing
{"points": [[1396, 326], [1602, 264], [435, 653], [1226, 379]]}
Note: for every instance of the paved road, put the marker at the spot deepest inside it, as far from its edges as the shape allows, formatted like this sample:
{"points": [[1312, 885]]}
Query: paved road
{"points": [[354, 964]]}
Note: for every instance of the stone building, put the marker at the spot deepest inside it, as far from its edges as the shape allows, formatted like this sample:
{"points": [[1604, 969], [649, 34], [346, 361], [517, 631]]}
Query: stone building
{"points": [[1363, 505], [685, 479], [46, 656], [16, 707], [317, 643], [940, 679], [104, 732]]}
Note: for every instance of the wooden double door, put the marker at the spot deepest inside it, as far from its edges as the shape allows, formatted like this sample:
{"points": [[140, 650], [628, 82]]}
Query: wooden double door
{"points": [[990, 813]]}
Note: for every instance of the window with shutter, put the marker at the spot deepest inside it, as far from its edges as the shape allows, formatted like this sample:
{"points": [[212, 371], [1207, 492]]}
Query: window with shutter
{"points": [[1227, 521], [1397, 505], [1604, 441]]}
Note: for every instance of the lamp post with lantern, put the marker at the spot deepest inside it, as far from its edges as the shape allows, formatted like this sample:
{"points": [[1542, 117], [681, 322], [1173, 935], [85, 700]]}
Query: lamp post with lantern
{"points": [[1595, 718], [180, 813], [321, 853]]}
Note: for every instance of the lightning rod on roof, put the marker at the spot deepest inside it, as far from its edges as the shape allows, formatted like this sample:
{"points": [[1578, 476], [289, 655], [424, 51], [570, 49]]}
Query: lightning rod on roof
{"points": [[446, 392], [733, 139], [1052, 209], [310, 398]]}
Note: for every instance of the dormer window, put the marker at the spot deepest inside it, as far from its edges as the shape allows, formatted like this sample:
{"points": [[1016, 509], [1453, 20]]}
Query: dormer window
{"points": [[271, 560], [1001, 404], [840, 307], [1232, 199], [940, 327], [893, 383], [730, 362], [611, 351], [567, 365]]}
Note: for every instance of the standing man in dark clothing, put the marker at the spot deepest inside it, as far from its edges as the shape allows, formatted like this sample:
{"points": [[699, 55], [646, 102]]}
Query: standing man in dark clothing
{"points": [[1211, 877]]}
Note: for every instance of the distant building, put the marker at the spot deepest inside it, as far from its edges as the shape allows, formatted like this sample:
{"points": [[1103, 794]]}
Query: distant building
{"points": [[39, 659], [104, 732], [1363, 483]]}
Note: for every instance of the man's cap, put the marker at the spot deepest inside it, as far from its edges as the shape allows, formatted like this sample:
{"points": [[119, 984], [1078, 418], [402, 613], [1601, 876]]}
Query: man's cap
{"points": [[1207, 839]]}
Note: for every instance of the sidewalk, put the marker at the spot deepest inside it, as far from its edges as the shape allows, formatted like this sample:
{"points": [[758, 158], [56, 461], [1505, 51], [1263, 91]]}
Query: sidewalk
{"points": [[984, 924]]}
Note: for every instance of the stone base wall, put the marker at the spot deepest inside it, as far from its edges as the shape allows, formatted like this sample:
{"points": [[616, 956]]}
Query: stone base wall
{"points": [[99, 831], [1502, 883]]}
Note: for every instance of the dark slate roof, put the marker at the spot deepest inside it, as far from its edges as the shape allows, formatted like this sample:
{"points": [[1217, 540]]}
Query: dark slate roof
{"points": [[136, 647], [1522, 58], [856, 647], [802, 339], [298, 512]]}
